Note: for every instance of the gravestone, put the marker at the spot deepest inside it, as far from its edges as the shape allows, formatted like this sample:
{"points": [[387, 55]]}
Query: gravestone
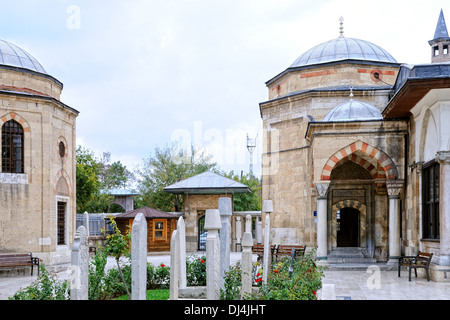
{"points": [[225, 237], [267, 208], [174, 265], [139, 258], [247, 243], [212, 226], [79, 269], [181, 227]]}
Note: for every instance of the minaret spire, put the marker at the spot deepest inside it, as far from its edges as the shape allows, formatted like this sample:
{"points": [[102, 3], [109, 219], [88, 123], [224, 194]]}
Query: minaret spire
{"points": [[441, 42]]}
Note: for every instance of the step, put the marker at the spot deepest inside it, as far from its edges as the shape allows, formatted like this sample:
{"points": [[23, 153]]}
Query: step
{"points": [[347, 253], [332, 259]]}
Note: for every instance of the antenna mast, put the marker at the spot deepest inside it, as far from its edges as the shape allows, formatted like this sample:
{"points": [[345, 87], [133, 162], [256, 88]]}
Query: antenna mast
{"points": [[251, 145]]}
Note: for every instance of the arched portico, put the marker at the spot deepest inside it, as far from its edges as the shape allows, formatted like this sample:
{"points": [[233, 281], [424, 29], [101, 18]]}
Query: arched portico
{"points": [[355, 186]]}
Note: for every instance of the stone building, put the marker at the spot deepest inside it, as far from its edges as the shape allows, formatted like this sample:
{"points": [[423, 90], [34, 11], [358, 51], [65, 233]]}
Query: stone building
{"points": [[37, 178], [200, 193], [347, 135]]}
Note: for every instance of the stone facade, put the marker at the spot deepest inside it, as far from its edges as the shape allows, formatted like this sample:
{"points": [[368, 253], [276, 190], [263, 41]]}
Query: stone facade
{"points": [[29, 210], [358, 182], [195, 210]]}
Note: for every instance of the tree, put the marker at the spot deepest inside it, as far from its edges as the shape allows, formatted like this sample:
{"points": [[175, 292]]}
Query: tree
{"points": [[95, 175], [246, 201], [168, 166], [87, 181]]}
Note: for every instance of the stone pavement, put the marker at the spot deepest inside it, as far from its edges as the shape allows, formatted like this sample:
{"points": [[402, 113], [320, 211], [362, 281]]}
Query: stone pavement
{"points": [[370, 284]]}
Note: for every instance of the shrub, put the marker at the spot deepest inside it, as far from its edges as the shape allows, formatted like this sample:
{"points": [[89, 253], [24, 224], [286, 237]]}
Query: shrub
{"points": [[232, 283], [45, 287], [300, 284], [196, 271]]}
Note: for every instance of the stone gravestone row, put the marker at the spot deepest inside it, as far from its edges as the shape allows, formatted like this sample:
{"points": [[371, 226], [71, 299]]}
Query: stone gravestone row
{"points": [[218, 250], [79, 269], [217, 255]]}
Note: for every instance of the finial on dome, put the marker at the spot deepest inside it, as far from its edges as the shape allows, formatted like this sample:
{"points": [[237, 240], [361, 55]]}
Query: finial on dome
{"points": [[351, 93], [341, 22]]}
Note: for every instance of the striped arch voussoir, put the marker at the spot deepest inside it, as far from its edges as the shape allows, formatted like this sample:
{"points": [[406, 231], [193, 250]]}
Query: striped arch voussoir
{"points": [[16, 117], [349, 204], [378, 163]]}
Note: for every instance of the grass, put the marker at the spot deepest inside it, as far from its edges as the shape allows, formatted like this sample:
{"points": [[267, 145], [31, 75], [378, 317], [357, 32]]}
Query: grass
{"points": [[156, 294]]}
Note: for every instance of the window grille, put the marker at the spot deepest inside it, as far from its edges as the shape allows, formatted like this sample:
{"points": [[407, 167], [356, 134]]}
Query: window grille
{"points": [[12, 147]]}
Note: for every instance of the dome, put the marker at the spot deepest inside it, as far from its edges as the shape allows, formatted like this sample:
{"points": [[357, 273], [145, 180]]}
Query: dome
{"points": [[353, 110], [343, 48], [12, 55]]}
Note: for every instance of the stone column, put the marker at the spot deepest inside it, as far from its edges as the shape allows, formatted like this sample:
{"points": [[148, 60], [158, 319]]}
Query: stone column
{"points": [[86, 217], [267, 208], [394, 187], [258, 230], [322, 230], [79, 269], [212, 225], [238, 231], [139, 258], [443, 157], [247, 243], [225, 211]]}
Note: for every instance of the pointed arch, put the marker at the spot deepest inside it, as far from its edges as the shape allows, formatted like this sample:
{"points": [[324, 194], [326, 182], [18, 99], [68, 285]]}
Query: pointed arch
{"points": [[14, 116], [61, 185], [378, 163]]}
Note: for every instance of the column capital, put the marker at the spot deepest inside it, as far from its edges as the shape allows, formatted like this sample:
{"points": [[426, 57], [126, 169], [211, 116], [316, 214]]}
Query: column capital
{"points": [[322, 188], [394, 187], [443, 157]]}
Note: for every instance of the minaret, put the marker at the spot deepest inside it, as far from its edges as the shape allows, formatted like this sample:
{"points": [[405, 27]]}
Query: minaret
{"points": [[440, 43]]}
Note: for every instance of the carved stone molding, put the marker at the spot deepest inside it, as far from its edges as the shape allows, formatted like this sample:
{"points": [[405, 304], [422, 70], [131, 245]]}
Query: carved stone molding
{"points": [[443, 157], [14, 178], [322, 188], [394, 187]]}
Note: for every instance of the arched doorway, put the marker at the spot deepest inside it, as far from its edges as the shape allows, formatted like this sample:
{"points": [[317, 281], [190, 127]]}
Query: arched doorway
{"points": [[202, 233], [348, 227]]}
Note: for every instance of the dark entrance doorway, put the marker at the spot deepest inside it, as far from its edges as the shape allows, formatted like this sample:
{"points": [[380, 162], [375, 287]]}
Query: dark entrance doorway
{"points": [[202, 233], [348, 227]]}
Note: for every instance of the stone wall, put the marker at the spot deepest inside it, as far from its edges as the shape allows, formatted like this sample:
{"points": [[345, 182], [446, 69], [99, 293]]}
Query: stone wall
{"points": [[28, 215]]}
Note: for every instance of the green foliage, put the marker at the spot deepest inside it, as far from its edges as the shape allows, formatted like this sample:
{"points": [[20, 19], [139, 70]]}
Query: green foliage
{"points": [[94, 175], [196, 271], [118, 245], [301, 284], [87, 182], [168, 166], [46, 287], [246, 201], [232, 283], [97, 273]]}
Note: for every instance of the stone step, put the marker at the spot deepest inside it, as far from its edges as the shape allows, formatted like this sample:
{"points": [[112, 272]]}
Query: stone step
{"points": [[331, 259], [347, 253]]}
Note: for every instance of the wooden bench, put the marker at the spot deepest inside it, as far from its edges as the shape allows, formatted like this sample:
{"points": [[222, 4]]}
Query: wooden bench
{"points": [[19, 260], [286, 250], [421, 260], [258, 249]]}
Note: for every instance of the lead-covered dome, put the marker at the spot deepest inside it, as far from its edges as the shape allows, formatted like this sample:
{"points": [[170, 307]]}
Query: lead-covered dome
{"points": [[12, 55], [343, 48], [353, 110]]}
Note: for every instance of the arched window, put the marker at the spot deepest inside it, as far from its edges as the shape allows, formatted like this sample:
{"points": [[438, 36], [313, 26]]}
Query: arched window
{"points": [[12, 147]]}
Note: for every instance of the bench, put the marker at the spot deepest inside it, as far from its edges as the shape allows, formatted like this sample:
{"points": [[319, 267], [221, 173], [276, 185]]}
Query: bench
{"points": [[286, 250], [258, 249], [421, 260], [19, 260]]}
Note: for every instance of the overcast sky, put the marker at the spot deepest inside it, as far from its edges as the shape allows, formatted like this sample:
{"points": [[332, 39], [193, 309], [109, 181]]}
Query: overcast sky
{"points": [[147, 73]]}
